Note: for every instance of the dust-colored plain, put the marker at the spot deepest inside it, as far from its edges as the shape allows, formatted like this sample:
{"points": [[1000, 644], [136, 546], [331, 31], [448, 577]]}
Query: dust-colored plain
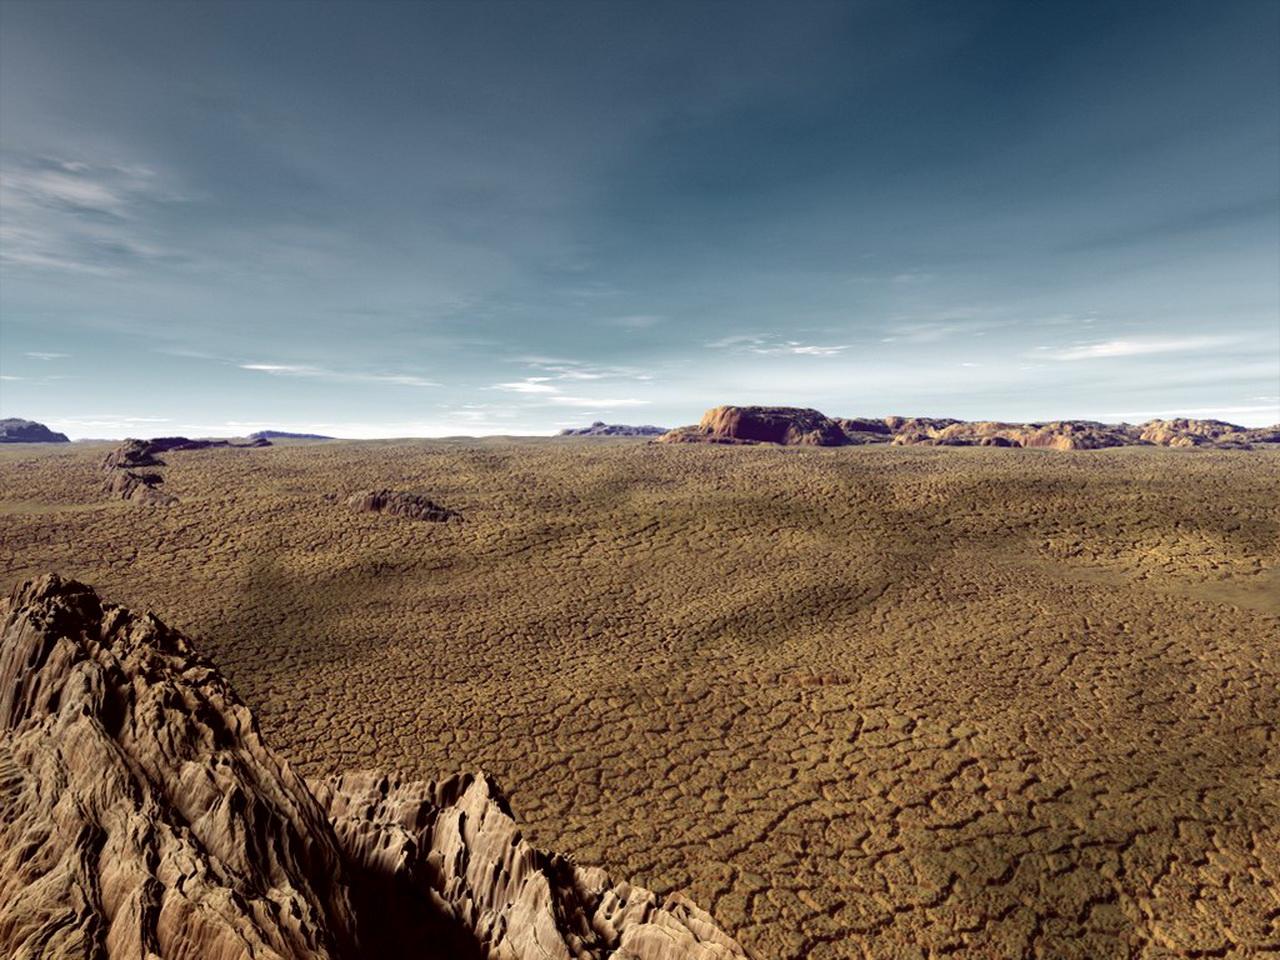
{"points": [[871, 701]]}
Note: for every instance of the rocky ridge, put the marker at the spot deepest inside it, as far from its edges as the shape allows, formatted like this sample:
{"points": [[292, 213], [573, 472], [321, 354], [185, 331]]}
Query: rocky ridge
{"points": [[123, 464], [602, 429], [807, 427], [17, 430], [145, 816]]}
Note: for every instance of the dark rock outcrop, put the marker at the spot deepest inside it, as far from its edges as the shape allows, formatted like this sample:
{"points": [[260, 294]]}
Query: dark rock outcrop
{"points": [[15, 430], [123, 463], [399, 503], [144, 816], [602, 429], [138, 487]]}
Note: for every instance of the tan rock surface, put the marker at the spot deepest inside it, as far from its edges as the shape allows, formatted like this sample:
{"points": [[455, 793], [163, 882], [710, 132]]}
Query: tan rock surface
{"points": [[143, 816]]}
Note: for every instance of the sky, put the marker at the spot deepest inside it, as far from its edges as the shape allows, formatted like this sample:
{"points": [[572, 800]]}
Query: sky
{"points": [[423, 219]]}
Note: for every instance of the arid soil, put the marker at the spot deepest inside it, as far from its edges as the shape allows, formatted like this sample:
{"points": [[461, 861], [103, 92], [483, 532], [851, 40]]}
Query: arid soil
{"points": [[863, 701], [144, 816]]}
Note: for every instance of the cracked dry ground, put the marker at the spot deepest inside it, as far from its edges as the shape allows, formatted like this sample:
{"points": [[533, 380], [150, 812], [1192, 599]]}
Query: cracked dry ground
{"points": [[856, 702]]}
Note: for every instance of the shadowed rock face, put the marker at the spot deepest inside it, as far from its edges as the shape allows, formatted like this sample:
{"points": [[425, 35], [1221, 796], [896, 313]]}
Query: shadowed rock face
{"points": [[122, 466], [401, 504], [790, 425], [144, 816], [782, 425], [15, 430], [138, 487]]}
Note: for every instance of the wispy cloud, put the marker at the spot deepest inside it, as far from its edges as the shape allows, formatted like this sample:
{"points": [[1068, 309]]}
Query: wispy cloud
{"points": [[603, 403], [771, 346], [546, 386], [72, 216], [337, 376], [527, 385], [1271, 411], [1105, 349]]}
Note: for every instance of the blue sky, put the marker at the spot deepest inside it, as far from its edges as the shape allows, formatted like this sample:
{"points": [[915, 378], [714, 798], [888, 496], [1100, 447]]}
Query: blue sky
{"points": [[429, 218]]}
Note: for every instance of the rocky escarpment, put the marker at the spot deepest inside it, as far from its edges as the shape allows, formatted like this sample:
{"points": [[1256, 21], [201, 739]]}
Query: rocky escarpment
{"points": [[793, 425], [16, 430], [143, 815], [602, 429], [782, 425], [399, 503], [126, 481]]}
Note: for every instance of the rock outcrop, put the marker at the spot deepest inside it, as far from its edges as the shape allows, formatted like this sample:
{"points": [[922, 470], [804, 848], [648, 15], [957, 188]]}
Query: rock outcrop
{"points": [[144, 816], [781, 425], [138, 487], [124, 481], [602, 429], [789, 425], [399, 503], [15, 430]]}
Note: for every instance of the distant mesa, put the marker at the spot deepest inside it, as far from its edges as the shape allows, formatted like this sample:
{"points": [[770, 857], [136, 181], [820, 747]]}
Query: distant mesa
{"points": [[790, 426], [285, 435], [781, 425], [602, 429], [15, 430], [144, 815], [398, 503]]}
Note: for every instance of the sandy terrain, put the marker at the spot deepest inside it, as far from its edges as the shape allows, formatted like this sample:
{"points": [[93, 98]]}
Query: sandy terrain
{"points": [[892, 702]]}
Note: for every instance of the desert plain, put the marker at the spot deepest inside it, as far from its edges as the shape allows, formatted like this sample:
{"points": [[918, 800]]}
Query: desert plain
{"points": [[855, 702]]}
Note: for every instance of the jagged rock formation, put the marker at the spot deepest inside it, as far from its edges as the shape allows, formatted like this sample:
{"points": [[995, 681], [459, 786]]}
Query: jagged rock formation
{"points": [[285, 435], [789, 425], [16, 430], [602, 429], [144, 816], [122, 465], [138, 487], [782, 425], [399, 503]]}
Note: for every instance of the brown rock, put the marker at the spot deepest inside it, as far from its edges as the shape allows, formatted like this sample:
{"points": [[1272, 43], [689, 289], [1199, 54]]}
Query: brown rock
{"points": [[401, 504], [138, 487], [781, 425], [143, 816]]}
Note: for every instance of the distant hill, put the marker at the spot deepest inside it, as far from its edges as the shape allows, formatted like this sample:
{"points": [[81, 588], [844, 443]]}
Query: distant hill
{"points": [[806, 427], [602, 429], [14, 430], [285, 435]]}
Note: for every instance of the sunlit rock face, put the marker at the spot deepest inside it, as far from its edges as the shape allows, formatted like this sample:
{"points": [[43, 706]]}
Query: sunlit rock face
{"points": [[144, 816], [800, 426]]}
